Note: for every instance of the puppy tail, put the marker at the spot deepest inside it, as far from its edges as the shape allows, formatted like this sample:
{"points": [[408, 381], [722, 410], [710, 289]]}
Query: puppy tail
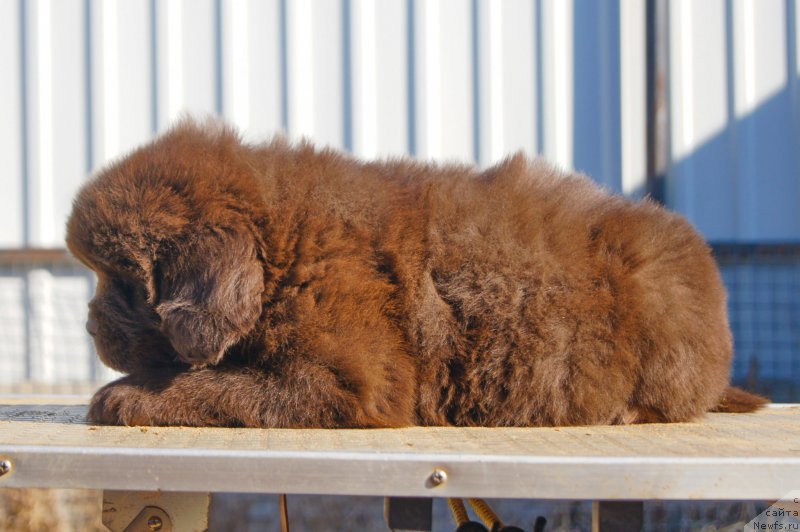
{"points": [[736, 400]]}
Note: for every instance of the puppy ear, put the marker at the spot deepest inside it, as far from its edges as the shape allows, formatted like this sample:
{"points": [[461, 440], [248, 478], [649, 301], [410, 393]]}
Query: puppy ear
{"points": [[209, 293]]}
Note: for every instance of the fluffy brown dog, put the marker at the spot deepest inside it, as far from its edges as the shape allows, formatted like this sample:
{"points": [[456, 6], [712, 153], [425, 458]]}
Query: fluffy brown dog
{"points": [[285, 286]]}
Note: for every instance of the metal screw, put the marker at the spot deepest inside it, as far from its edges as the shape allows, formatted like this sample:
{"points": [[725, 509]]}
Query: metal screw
{"points": [[155, 523], [438, 477], [5, 467]]}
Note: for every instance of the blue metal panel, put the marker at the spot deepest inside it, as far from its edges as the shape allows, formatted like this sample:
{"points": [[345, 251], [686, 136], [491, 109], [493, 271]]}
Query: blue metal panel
{"points": [[597, 111]]}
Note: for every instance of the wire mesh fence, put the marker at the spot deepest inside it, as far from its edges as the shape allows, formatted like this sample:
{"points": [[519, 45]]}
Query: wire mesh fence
{"points": [[43, 297], [763, 282], [43, 343]]}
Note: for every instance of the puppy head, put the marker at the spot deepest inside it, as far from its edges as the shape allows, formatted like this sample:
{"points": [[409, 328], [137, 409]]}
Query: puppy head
{"points": [[170, 232]]}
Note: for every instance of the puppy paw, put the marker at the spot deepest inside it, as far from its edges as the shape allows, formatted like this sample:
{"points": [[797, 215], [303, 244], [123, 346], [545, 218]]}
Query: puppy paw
{"points": [[120, 403]]}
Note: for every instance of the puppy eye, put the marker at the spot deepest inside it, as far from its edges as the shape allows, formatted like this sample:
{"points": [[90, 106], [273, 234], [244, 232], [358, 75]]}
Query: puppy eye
{"points": [[132, 293]]}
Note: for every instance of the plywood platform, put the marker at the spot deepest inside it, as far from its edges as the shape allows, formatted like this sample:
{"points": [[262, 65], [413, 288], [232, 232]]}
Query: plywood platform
{"points": [[725, 456]]}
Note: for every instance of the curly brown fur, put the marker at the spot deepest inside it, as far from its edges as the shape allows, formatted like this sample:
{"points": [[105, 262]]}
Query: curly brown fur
{"points": [[280, 285]]}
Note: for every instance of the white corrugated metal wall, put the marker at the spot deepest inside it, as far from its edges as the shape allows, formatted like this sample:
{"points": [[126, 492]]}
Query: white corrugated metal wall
{"points": [[86, 80], [735, 124]]}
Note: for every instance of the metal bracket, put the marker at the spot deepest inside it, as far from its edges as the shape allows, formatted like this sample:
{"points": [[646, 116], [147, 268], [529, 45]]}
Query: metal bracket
{"points": [[155, 511], [152, 518]]}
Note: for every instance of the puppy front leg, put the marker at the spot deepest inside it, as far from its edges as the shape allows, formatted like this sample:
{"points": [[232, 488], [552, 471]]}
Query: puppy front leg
{"points": [[297, 394]]}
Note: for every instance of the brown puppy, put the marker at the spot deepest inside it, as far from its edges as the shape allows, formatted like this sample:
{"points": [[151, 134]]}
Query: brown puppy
{"points": [[285, 286]]}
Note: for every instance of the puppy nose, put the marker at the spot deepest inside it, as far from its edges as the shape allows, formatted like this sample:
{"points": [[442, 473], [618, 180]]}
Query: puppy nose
{"points": [[91, 326]]}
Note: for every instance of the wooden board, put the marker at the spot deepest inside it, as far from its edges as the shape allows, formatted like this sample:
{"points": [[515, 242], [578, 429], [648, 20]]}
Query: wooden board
{"points": [[724, 456]]}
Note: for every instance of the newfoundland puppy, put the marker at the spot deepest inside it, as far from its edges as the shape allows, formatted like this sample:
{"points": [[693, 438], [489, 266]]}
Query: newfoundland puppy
{"points": [[282, 285]]}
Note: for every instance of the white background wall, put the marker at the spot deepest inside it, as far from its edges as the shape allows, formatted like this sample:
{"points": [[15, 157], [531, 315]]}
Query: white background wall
{"points": [[86, 80]]}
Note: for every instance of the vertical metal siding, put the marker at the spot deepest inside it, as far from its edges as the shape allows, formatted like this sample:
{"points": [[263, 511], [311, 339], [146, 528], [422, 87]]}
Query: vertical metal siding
{"points": [[734, 117], [55, 114], [468, 80], [596, 113], [448, 79], [379, 86], [122, 77], [507, 79], [12, 138], [252, 90], [556, 80], [632, 98]]}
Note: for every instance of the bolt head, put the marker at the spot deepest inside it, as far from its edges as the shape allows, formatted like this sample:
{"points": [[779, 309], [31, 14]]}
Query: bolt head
{"points": [[438, 477], [155, 523], [5, 467]]}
